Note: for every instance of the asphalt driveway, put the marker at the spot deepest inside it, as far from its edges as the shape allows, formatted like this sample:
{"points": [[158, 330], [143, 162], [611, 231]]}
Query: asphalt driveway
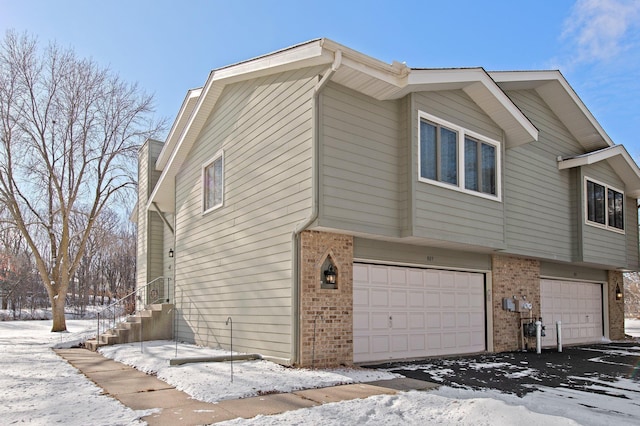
{"points": [[593, 368]]}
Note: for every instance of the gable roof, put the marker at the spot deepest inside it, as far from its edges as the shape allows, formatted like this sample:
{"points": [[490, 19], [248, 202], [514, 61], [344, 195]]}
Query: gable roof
{"points": [[353, 69], [554, 89], [381, 81], [618, 158]]}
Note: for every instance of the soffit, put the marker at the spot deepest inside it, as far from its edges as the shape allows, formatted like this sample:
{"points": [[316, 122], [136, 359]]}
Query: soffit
{"points": [[562, 100], [619, 160]]}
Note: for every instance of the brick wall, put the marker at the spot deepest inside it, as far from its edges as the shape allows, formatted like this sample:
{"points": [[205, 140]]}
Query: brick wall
{"points": [[616, 307], [328, 311], [513, 276]]}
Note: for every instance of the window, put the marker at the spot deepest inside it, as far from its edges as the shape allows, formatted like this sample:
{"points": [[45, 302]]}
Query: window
{"points": [[457, 158], [213, 183], [605, 205]]}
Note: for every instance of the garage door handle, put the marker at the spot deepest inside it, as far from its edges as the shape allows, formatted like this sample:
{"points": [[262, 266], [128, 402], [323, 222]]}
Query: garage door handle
{"points": [[390, 321]]}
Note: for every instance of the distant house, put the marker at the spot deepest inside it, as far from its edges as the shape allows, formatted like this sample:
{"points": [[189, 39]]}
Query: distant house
{"points": [[343, 210]]}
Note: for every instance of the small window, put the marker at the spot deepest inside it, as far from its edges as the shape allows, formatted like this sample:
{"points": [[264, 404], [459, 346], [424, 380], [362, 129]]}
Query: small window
{"points": [[439, 146], [457, 158], [213, 183], [605, 205]]}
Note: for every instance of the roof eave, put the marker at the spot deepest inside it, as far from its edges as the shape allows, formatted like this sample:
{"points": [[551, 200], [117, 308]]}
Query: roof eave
{"points": [[563, 101], [479, 86], [618, 158]]}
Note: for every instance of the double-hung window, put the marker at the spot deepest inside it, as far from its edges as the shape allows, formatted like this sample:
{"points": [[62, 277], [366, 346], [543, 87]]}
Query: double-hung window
{"points": [[213, 183], [604, 205], [457, 158]]}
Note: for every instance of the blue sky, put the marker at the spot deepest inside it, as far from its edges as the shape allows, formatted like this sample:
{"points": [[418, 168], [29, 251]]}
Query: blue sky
{"points": [[169, 47]]}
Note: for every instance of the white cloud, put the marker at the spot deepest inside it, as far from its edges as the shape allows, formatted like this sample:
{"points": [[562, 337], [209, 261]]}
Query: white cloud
{"points": [[600, 30]]}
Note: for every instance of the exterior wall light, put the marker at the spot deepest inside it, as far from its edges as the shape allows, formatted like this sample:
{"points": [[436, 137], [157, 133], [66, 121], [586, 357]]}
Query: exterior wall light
{"points": [[330, 276], [618, 292], [170, 252]]}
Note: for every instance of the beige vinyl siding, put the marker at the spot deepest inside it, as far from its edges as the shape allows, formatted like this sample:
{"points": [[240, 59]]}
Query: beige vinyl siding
{"points": [[540, 200], [363, 184], [449, 215], [150, 228], [603, 246], [413, 255], [236, 261], [571, 272]]}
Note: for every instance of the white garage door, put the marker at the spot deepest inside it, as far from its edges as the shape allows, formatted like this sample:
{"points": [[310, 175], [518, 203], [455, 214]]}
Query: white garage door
{"points": [[578, 305], [404, 312]]}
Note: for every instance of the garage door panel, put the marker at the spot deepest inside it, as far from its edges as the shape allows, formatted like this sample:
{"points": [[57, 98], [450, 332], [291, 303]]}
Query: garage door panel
{"points": [[417, 343], [448, 300], [417, 321], [463, 320], [361, 321], [379, 276], [434, 343], [380, 344], [379, 321], [462, 300], [361, 346], [433, 299], [418, 312], [431, 279], [449, 341], [578, 305], [434, 321], [360, 297], [449, 320], [398, 277], [400, 343], [414, 278], [379, 298], [463, 340], [447, 279], [399, 321], [416, 300], [398, 298]]}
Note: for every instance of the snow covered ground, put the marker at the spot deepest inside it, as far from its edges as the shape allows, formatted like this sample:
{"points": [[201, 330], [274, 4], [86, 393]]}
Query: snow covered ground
{"points": [[39, 388]]}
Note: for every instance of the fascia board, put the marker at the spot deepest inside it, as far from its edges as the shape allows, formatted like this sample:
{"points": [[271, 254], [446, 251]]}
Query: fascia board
{"points": [[305, 55], [485, 92], [178, 126], [593, 157], [542, 82], [618, 158]]}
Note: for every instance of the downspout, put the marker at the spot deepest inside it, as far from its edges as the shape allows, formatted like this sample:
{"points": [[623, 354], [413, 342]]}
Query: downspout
{"points": [[295, 237]]}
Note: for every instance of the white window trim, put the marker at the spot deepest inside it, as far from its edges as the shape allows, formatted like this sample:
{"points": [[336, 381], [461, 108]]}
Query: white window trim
{"points": [[462, 132], [606, 212], [218, 155]]}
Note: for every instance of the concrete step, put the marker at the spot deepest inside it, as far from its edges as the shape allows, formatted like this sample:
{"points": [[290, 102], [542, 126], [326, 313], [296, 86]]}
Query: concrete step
{"points": [[152, 323]]}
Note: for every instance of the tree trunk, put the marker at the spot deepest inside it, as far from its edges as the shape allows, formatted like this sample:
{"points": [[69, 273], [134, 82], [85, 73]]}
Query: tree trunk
{"points": [[57, 309]]}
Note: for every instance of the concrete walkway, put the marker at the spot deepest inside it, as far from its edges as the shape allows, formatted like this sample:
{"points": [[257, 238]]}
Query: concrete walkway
{"points": [[140, 391]]}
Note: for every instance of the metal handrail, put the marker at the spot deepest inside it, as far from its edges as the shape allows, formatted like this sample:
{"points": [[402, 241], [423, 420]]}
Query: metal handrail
{"points": [[116, 312]]}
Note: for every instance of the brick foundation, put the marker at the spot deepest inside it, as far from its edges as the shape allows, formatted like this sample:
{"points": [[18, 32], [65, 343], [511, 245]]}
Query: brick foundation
{"points": [[616, 307], [327, 311], [513, 276]]}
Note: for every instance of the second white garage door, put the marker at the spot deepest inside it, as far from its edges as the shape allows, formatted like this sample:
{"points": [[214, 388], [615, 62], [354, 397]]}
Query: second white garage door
{"points": [[578, 305], [401, 312]]}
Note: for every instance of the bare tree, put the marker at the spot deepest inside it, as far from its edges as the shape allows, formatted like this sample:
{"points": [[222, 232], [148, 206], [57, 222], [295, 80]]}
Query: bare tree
{"points": [[69, 132]]}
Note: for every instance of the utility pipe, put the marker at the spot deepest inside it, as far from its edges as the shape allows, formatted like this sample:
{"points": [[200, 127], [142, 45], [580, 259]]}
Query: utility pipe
{"points": [[538, 336], [295, 244], [559, 335], [230, 321]]}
